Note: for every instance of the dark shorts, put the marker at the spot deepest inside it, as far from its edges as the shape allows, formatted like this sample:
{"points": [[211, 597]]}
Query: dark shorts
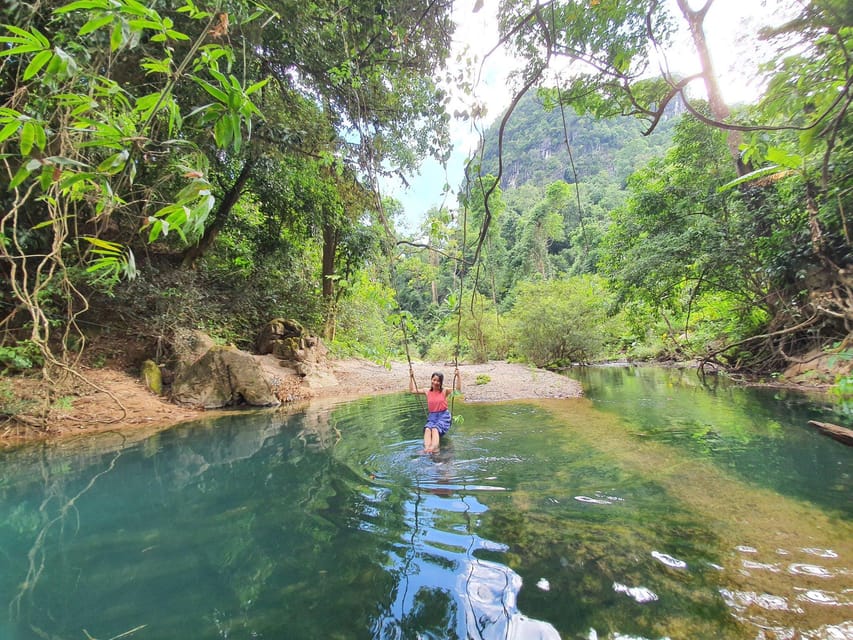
{"points": [[439, 420]]}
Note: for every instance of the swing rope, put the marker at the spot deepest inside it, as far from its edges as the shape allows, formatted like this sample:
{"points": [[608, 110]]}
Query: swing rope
{"points": [[569, 146], [411, 369], [461, 267], [396, 242]]}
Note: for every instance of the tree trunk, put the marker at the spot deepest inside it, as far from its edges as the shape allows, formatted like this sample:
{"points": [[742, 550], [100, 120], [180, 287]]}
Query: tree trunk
{"points": [[433, 261], [814, 223], [207, 239], [330, 249], [719, 109]]}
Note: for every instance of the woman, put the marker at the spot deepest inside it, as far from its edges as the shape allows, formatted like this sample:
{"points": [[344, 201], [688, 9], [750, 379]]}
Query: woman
{"points": [[438, 420]]}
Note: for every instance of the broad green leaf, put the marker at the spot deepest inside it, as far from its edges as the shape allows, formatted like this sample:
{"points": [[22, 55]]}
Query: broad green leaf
{"points": [[749, 177], [101, 263], [40, 135], [783, 158], [220, 95], [156, 226], [105, 252], [145, 24], [46, 177], [807, 140], [236, 132], [114, 163], [200, 109], [10, 129], [28, 48], [34, 35], [176, 35], [223, 81], [96, 23], [35, 65], [116, 38], [69, 181], [47, 223], [28, 136], [21, 175], [157, 66], [222, 133], [104, 244], [135, 8], [147, 102], [83, 4], [66, 162], [256, 86]]}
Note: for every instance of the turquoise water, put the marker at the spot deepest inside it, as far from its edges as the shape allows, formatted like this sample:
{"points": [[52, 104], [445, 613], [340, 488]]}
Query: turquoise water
{"points": [[654, 508]]}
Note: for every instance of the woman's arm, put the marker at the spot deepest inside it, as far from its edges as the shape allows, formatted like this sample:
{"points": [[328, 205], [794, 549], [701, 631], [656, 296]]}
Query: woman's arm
{"points": [[457, 381]]}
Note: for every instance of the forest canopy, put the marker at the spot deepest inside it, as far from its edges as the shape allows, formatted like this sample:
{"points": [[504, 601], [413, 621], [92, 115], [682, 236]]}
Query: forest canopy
{"points": [[213, 166]]}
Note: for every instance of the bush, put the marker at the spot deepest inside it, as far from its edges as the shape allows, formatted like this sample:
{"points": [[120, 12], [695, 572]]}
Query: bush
{"points": [[562, 321], [20, 357], [363, 325]]}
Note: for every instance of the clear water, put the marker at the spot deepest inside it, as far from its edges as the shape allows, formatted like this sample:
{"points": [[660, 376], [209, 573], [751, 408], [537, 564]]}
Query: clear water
{"points": [[654, 508]]}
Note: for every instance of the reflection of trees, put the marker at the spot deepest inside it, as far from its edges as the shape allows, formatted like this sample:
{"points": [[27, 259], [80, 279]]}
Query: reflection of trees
{"points": [[584, 553], [318, 429], [54, 492], [252, 525], [432, 615]]}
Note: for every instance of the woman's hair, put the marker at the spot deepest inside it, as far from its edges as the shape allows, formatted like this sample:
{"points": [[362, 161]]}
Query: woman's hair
{"points": [[440, 376]]}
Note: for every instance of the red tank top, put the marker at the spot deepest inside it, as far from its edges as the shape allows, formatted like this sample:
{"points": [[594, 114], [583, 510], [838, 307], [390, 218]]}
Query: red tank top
{"points": [[436, 401]]}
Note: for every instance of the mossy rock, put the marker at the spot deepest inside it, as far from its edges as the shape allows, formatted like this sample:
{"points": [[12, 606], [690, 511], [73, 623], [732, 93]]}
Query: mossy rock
{"points": [[152, 377]]}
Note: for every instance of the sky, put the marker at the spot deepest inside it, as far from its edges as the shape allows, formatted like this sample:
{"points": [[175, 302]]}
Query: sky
{"points": [[729, 29]]}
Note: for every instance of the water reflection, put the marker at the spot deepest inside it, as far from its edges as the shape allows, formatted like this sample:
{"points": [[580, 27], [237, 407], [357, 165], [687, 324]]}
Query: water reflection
{"points": [[441, 546], [760, 434], [549, 520]]}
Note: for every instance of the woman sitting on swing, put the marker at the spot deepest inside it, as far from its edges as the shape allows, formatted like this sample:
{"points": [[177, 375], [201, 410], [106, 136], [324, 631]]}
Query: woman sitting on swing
{"points": [[438, 420]]}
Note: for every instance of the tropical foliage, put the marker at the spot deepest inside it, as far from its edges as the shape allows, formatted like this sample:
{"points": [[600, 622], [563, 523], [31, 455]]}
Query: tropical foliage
{"points": [[131, 129], [217, 165]]}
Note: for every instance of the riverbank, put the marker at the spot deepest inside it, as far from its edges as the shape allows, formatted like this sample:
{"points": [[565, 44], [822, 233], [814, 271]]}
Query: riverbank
{"points": [[114, 400]]}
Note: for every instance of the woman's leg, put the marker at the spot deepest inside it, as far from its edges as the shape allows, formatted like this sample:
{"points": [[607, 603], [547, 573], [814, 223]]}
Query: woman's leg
{"points": [[431, 439]]}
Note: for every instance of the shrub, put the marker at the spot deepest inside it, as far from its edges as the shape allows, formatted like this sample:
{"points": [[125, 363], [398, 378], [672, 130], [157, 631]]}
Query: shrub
{"points": [[562, 321]]}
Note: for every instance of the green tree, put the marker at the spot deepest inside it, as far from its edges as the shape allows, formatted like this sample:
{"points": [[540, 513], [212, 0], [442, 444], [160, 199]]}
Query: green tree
{"points": [[539, 227], [559, 322], [788, 155], [134, 116], [84, 155]]}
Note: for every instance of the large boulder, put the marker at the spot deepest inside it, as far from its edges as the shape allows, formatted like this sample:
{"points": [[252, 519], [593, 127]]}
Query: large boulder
{"points": [[223, 377], [296, 350], [289, 340]]}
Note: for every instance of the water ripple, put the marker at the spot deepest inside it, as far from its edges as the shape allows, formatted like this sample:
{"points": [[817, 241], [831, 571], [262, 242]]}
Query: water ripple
{"points": [[822, 553], [640, 594], [817, 596], [599, 499], [668, 560], [802, 568], [772, 568], [741, 600]]}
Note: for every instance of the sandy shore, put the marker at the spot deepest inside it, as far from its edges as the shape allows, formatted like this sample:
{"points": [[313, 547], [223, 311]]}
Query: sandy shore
{"points": [[116, 401]]}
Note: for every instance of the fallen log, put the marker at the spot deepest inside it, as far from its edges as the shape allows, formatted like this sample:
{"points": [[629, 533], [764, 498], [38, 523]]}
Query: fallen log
{"points": [[842, 434]]}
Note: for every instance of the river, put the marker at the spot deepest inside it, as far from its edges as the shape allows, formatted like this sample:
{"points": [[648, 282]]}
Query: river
{"points": [[658, 506]]}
